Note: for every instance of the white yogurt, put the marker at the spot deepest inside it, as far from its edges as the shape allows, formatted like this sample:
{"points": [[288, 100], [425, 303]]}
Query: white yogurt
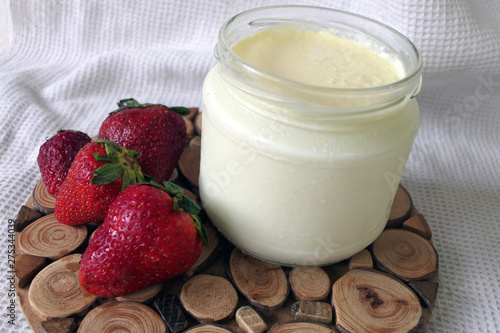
{"points": [[282, 177], [318, 58]]}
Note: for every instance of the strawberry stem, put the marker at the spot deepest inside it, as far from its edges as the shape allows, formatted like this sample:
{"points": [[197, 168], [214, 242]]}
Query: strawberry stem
{"points": [[119, 161]]}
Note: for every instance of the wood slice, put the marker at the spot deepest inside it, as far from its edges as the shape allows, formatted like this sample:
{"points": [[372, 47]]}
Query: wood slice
{"points": [[189, 128], [300, 327], [418, 225], [189, 165], [195, 142], [405, 254], [371, 301], [362, 259], [56, 292], [27, 267], [401, 208], [42, 200], [47, 237], [174, 176], [208, 328], [122, 317], [426, 290], [249, 320], [312, 311], [209, 298], [309, 283], [262, 283], [197, 123], [25, 217], [58, 325], [141, 296]]}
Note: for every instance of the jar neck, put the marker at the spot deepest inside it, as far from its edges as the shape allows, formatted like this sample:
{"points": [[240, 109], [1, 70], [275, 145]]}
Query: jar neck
{"points": [[303, 101]]}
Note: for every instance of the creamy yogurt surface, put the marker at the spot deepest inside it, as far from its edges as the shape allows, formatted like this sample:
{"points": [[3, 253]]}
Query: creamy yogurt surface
{"points": [[317, 58]]}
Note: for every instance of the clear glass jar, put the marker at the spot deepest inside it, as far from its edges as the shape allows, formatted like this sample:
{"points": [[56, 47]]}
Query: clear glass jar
{"points": [[297, 174]]}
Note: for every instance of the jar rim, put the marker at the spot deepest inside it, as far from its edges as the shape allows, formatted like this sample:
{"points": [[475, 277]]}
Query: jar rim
{"points": [[412, 76]]}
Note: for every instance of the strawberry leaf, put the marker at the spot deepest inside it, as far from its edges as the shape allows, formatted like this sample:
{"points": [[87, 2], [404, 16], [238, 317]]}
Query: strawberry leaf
{"points": [[140, 176], [111, 147], [109, 159], [173, 189], [132, 103], [128, 103], [149, 179], [176, 203], [128, 178], [201, 229], [107, 174], [180, 110], [119, 161], [190, 206], [134, 153]]}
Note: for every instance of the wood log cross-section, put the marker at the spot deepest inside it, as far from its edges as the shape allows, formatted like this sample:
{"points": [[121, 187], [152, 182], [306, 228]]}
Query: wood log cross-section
{"points": [[262, 283], [401, 208], [42, 200], [209, 298], [47, 237], [56, 292], [373, 301], [405, 254], [122, 317], [309, 283]]}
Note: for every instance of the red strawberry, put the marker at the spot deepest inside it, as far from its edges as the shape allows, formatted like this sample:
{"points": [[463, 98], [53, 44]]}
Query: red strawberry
{"points": [[98, 173], [56, 155], [147, 237], [157, 132]]}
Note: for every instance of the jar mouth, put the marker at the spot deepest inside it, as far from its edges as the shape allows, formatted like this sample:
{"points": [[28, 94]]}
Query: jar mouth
{"points": [[348, 25]]}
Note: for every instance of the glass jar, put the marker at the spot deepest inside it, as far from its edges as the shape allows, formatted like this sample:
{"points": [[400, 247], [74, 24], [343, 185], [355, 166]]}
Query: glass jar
{"points": [[297, 174]]}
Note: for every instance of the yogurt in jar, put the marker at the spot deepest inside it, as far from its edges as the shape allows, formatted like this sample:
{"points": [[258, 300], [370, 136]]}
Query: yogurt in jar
{"points": [[292, 171], [317, 58]]}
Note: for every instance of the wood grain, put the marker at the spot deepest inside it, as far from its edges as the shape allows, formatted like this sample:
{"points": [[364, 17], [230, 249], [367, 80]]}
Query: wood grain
{"points": [[405, 254], [122, 317], [56, 292], [312, 311], [293, 327], [401, 208], [141, 296], [189, 165], [262, 283], [371, 301], [42, 200], [309, 283], [249, 320], [47, 237], [362, 259], [209, 298]]}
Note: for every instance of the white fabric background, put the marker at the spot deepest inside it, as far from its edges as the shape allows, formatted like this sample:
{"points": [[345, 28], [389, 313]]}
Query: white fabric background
{"points": [[65, 65]]}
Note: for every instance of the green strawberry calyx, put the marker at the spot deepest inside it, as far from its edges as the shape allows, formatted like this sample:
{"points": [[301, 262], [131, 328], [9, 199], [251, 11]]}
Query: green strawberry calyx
{"points": [[120, 161], [132, 103], [183, 202]]}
